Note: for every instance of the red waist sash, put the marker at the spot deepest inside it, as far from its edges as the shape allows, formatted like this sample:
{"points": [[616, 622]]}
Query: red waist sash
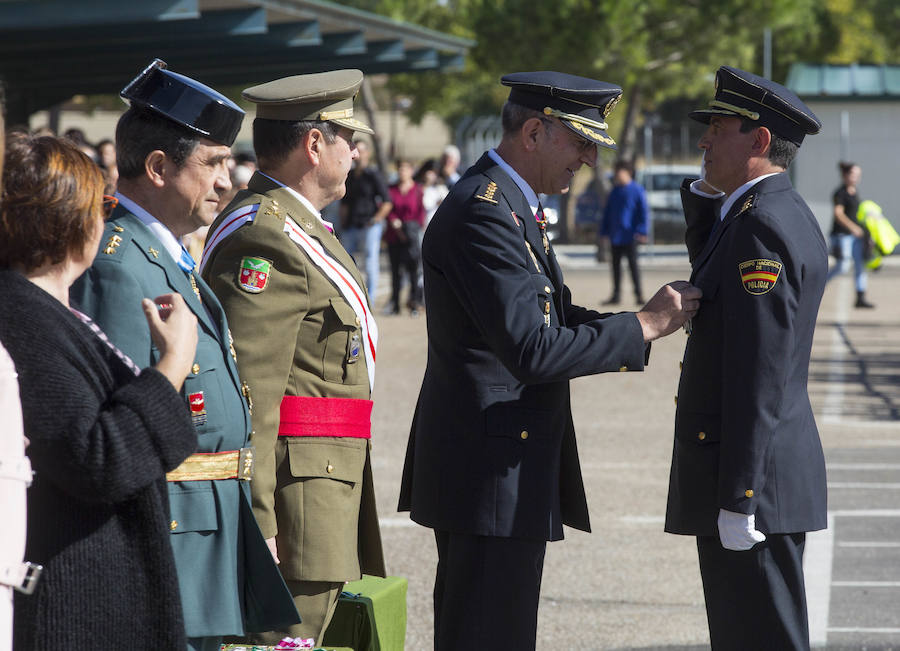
{"points": [[305, 416]]}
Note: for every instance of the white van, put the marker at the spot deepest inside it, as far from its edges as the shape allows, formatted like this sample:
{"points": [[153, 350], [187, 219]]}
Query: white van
{"points": [[663, 186]]}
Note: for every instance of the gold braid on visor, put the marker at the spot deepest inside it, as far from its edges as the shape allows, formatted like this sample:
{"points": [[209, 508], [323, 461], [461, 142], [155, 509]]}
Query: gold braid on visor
{"points": [[753, 115], [575, 118]]}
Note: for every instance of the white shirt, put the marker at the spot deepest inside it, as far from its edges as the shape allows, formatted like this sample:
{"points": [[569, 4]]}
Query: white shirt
{"points": [[729, 202], [530, 195], [302, 200], [163, 234]]}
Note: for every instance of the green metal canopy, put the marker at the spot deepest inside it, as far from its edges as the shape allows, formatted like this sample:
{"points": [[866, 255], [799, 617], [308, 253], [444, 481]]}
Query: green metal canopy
{"points": [[854, 81], [51, 50]]}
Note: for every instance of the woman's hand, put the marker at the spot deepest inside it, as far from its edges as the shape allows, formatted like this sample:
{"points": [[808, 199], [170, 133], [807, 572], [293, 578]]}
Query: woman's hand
{"points": [[173, 328]]}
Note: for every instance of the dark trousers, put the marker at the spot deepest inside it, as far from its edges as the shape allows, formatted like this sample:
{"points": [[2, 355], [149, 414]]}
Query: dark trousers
{"points": [[631, 252], [486, 592], [405, 256], [755, 599]]}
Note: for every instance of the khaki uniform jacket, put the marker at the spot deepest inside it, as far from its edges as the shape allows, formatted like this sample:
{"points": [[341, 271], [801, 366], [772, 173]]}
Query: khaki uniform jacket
{"points": [[294, 337]]}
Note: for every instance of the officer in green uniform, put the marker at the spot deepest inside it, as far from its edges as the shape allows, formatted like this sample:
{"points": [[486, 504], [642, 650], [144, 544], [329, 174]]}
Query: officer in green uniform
{"points": [[172, 145], [305, 338]]}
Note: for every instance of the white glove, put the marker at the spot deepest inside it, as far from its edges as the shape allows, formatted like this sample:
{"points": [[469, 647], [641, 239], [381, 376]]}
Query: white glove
{"points": [[737, 531]]}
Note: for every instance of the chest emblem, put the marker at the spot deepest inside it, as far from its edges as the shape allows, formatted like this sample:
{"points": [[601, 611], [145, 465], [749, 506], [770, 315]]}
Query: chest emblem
{"points": [[253, 274], [759, 276], [198, 408]]}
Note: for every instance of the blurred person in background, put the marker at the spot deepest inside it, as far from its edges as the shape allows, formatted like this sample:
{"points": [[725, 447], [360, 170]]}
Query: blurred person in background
{"points": [[433, 188], [848, 237], [106, 159], [364, 208], [449, 165], [404, 238], [626, 219], [103, 431], [77, 137]]}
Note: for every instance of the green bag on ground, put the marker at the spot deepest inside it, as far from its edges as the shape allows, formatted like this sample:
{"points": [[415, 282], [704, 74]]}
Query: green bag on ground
{"points": [[370, 615]]}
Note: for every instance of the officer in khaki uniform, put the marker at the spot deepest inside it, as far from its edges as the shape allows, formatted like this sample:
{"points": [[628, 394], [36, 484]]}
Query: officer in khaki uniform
{"points": [[305, 339], [227, 580]]}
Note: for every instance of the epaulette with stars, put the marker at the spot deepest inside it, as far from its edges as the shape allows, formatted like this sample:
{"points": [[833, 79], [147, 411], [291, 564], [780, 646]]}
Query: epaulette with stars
{"points": [[487, 193]]}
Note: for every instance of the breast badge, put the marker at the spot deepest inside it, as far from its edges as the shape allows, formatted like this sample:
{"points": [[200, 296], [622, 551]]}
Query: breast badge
{"points": [[253, 274], [198, 408], [759, 276]]}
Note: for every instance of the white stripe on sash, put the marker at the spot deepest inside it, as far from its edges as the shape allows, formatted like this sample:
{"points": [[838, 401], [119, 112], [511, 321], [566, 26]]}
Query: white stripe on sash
{"points": [[346, 284], [225, 228]]}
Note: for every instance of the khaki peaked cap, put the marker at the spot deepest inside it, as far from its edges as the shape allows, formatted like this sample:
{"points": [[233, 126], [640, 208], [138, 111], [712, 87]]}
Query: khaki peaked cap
{"points": [[319, 97]]}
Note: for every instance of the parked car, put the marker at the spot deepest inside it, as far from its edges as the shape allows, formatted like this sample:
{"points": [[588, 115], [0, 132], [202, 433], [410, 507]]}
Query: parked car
{"points": [[663, 186]]}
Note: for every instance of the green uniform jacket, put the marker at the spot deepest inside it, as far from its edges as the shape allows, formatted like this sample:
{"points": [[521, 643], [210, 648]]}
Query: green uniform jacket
{"points": [[296, 337], [216, 541]]}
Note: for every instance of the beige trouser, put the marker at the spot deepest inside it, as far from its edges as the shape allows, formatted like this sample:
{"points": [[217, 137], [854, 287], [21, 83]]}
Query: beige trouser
{"points": [[315, 601]]}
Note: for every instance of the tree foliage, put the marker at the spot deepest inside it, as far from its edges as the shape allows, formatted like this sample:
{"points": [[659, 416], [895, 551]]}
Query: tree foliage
{"points": [[657, 50]]}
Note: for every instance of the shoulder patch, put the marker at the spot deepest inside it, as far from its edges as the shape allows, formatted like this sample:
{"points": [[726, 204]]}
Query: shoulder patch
{"points": [[759, 276], [253, 274], [487, 193]]}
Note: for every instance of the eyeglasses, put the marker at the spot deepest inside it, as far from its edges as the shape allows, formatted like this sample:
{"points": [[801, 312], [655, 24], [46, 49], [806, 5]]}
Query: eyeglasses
{"points": [[582, 144], [109, 204]]}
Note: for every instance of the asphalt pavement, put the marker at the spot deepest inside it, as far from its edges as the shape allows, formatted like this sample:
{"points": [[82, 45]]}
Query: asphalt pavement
{"points": [[628, 585]]}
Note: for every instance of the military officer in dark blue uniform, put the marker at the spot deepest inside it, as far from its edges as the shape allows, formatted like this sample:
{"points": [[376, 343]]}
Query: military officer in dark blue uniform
{"points": [[748, 472], [172, 147], [492, 464]]}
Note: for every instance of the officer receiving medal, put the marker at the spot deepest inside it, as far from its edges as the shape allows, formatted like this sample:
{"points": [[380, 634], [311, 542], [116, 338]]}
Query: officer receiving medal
{"points": [[748, 472]]}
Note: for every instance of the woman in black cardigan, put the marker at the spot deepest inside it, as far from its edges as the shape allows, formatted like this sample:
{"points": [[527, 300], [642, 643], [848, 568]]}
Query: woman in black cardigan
{"points": [[102, 432]]}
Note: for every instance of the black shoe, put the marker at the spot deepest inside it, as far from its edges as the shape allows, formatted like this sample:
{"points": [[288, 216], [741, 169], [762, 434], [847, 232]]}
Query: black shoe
{"points": [[612, 300], [390, 309], [862, 302], [640, 301]]}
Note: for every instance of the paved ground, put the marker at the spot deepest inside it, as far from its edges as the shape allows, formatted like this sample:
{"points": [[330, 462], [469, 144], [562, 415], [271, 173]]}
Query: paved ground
{"points": [[628, 585]]}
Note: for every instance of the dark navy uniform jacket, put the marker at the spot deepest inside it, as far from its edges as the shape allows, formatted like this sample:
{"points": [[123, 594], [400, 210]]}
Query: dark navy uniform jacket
{"points": [[745, 436], [492, 448]]}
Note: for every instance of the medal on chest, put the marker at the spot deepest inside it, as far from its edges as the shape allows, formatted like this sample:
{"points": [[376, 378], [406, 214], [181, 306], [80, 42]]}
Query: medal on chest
{"points": [[542, 225]]}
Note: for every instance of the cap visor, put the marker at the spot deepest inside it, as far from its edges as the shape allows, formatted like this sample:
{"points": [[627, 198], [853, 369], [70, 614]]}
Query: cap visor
{"points": [[704, 115], [355, 125], [596, 136]]}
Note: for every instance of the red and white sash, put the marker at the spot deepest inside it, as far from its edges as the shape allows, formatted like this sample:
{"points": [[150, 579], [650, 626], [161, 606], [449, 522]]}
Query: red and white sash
{"points": [[347, 286], [225, 228], [334, 270]]}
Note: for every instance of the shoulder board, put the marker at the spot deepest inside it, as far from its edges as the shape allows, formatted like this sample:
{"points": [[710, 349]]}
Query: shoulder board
{"points": [[487, 192], [113, 237]]}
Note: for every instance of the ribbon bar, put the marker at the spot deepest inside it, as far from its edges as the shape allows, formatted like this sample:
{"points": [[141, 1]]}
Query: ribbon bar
{"points": [[344, 417]]}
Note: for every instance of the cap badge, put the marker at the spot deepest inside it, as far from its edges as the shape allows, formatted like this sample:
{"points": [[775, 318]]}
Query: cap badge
{"points": [[253, 275], [611, 105], [759, 276]]}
